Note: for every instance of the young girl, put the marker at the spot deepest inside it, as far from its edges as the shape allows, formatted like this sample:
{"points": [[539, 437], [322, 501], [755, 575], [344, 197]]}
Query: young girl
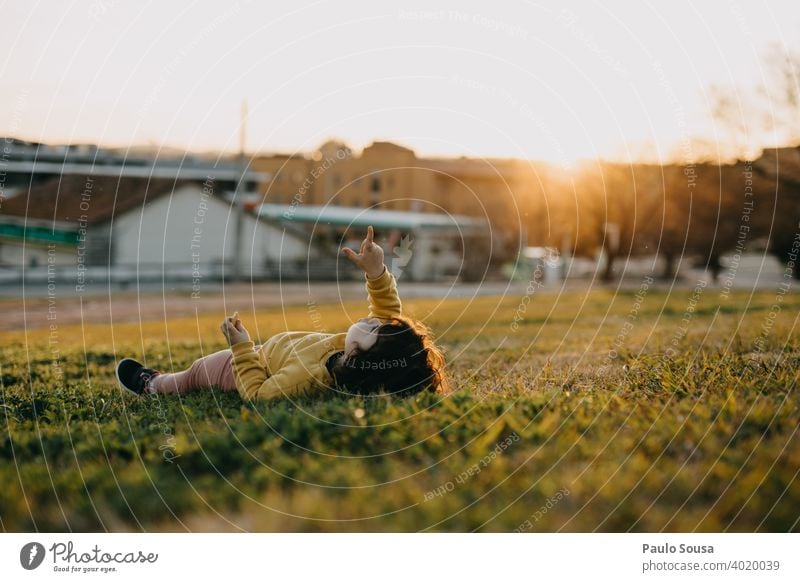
{"points": [[383, 351]]}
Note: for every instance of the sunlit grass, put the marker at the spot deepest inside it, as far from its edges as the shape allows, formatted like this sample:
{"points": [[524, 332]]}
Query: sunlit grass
{"points": [[671, 424]]}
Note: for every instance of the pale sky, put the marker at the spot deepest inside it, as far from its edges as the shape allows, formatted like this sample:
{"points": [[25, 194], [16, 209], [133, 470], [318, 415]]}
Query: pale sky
{"points": [[555, 81]]}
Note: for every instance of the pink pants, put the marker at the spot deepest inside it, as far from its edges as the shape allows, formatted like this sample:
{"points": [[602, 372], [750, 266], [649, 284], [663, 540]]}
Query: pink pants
{"points": [[211, 370]]}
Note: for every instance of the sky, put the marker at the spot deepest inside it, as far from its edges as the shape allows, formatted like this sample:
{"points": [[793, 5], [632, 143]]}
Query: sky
{"points": [[555, 81]]}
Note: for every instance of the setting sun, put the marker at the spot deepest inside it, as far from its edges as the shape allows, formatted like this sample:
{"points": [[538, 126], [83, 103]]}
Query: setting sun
{"points": [[553, 83]]}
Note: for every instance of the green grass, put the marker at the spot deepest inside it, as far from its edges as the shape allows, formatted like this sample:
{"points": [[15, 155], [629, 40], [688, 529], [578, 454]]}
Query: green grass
{"points": [[686, 425]]}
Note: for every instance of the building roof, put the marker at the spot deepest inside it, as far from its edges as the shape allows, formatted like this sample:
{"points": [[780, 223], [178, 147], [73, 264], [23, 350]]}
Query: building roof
{"points": [[384, 147], [363, 217], [97, 198], [123, 169]]}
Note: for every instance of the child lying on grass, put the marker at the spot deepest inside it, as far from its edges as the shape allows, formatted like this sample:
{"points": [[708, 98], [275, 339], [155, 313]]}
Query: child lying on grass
{"points": [[384, 351]]}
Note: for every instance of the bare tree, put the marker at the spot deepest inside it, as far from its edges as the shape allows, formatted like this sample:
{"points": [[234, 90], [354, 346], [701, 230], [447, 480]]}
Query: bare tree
{"points": [[773, 108]]}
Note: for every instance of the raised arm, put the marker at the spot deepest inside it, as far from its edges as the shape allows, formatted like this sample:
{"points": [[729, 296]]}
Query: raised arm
{"points": [[384, 302]]}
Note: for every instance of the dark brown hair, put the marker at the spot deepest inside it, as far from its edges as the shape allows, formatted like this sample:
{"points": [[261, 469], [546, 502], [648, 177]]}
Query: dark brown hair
{"points": [[403, 361]]}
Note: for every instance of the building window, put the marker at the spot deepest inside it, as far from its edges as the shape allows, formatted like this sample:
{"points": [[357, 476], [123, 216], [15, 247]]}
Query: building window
{"points": [[375, 184]]}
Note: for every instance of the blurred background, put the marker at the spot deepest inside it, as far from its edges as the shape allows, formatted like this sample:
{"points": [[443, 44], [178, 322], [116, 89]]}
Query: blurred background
{"points": [[179, 149]]}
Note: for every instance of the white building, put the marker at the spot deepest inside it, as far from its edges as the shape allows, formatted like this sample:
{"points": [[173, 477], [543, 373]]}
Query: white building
{"points": [[423, 246], [192, 229], [131, 229]]}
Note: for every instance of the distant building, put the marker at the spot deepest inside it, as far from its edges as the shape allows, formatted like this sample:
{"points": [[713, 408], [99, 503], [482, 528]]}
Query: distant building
{"points": [[138, 228], [509, 193], [421, 246]]}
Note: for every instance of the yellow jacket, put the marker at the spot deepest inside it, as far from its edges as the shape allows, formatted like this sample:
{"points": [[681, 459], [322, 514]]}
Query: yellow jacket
{"points": [[292, 363]]}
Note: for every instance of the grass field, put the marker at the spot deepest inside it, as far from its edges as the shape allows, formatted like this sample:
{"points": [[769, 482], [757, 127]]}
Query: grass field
{"points": [[610, 411]]}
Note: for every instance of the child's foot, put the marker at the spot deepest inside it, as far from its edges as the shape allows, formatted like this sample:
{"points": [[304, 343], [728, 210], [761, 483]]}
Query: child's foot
{"points": [[134, 377]]}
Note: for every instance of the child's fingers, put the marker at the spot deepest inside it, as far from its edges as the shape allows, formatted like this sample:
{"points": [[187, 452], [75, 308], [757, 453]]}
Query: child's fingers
{"points": [[350, 254], [370, 233]]}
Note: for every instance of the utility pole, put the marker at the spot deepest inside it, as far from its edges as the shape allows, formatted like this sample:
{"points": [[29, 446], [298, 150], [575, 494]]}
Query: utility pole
{"points": [[238, 203]]}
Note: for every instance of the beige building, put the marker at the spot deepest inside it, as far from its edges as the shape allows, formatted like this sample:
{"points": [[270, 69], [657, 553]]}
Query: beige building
{"points": [[387, 176]]}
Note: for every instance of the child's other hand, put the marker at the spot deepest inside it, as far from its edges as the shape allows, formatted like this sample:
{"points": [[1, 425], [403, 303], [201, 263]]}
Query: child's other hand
{"points": [[233, 329], [370, 259]]}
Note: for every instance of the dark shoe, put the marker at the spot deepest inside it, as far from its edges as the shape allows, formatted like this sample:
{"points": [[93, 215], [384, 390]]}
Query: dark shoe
{"points": [[133, 376]]}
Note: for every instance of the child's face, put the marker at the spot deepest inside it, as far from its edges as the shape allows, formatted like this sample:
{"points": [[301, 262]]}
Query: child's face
{"points": [[362, 335]]}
